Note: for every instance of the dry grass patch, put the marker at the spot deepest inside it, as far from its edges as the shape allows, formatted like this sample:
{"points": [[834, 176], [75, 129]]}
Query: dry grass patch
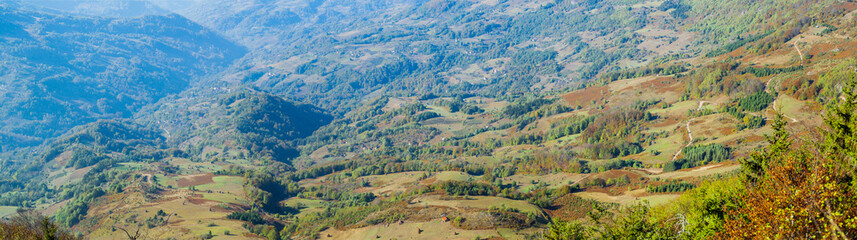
{"points": [[421, 230], [475, 202], [194, 180], [707, 170], [584, 97]]}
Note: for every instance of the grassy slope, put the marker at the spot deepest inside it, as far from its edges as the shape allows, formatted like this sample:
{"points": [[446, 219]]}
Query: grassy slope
{"points": [[197, 208]]}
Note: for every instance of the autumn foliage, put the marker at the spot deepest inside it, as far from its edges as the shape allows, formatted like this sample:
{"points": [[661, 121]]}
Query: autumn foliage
{"points": [[30, 225], [802, 195], [805, 190], [796, 188]]}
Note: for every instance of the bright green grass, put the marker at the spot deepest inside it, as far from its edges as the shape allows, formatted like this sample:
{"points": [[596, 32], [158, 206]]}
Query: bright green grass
{"points": [[309, 205], [564, 140], [224, 198], [212, 187], [679, 106], [7, 210], [229, 179], [165, 180], [453, 176], [666, 146], [230, 185]]}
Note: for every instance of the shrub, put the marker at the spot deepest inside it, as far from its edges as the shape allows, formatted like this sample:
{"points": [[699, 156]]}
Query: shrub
{"points": [[32, 225]]}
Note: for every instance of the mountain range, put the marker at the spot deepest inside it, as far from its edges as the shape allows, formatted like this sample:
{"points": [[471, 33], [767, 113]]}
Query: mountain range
{"points": [[498, 119]]}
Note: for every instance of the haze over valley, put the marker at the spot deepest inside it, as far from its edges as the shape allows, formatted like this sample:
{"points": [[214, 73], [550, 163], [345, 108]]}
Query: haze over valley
{"points": [[427, 119]]}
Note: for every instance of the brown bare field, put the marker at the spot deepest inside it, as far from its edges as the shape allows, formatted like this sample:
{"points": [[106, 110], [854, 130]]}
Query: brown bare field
{"points": [[53, 208], [434, 229], [615, 174], [755, 138], [584, 97], [194, 180], [71, 176], [629, 197]]}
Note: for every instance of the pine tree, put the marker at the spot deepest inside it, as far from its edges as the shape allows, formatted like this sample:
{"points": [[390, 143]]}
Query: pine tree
{"points": [[756, 166], [842, 120]]}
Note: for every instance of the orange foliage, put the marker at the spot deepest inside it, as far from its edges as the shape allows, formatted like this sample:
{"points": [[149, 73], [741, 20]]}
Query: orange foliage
{"points": [[614, 125], [803, 195], [31, 225]]}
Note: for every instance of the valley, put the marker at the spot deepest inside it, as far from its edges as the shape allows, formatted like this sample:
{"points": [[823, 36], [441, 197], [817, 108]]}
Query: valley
{"points": [[411, 119]]}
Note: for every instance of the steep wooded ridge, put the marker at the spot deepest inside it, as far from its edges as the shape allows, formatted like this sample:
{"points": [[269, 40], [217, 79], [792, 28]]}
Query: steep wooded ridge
{"points": [[59, 71], [428, 119], [102, 8]]}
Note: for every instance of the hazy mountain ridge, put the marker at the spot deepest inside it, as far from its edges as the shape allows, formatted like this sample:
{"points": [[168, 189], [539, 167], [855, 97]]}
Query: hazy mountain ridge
{"points": [[446, 119], [61, 71], [100, 8]]}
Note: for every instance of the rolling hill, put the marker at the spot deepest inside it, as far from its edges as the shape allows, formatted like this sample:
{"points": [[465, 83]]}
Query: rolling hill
{"points": [[434, 119]]}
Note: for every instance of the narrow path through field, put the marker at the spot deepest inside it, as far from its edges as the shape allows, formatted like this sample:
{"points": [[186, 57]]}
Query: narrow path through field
{"points": [[700, 105], [768, 90], [148, 177], [689, 134], [798, 52]]}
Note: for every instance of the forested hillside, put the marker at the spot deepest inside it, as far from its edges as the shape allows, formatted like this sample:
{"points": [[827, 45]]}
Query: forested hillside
{"points": [[60, 71], [339, 53], [102, 8], [257, 123]]}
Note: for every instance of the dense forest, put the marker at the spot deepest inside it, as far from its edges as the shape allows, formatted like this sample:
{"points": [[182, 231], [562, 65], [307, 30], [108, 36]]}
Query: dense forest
{"points": [[68, 72]]}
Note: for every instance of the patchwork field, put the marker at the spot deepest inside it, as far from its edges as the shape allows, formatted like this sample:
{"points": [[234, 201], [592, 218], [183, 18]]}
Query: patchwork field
{"points": [[423, 230], [476, 202]]}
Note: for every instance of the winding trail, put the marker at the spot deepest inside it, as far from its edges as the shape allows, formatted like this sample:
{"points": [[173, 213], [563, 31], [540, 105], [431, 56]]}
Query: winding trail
{"points": [[798, 52], [689, 134], [148, 177], [768, 90]]}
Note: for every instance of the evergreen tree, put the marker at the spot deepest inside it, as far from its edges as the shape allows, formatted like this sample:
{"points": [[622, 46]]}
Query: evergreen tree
{"points": [[842, 122], [756, 166]]}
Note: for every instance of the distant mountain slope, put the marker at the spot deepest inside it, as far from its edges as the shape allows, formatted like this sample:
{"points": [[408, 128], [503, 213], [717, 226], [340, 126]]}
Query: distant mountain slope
{"points": [[108, 8], [267, 23], [175, 5], [491, 113], [61, 71], [338, 53]]}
